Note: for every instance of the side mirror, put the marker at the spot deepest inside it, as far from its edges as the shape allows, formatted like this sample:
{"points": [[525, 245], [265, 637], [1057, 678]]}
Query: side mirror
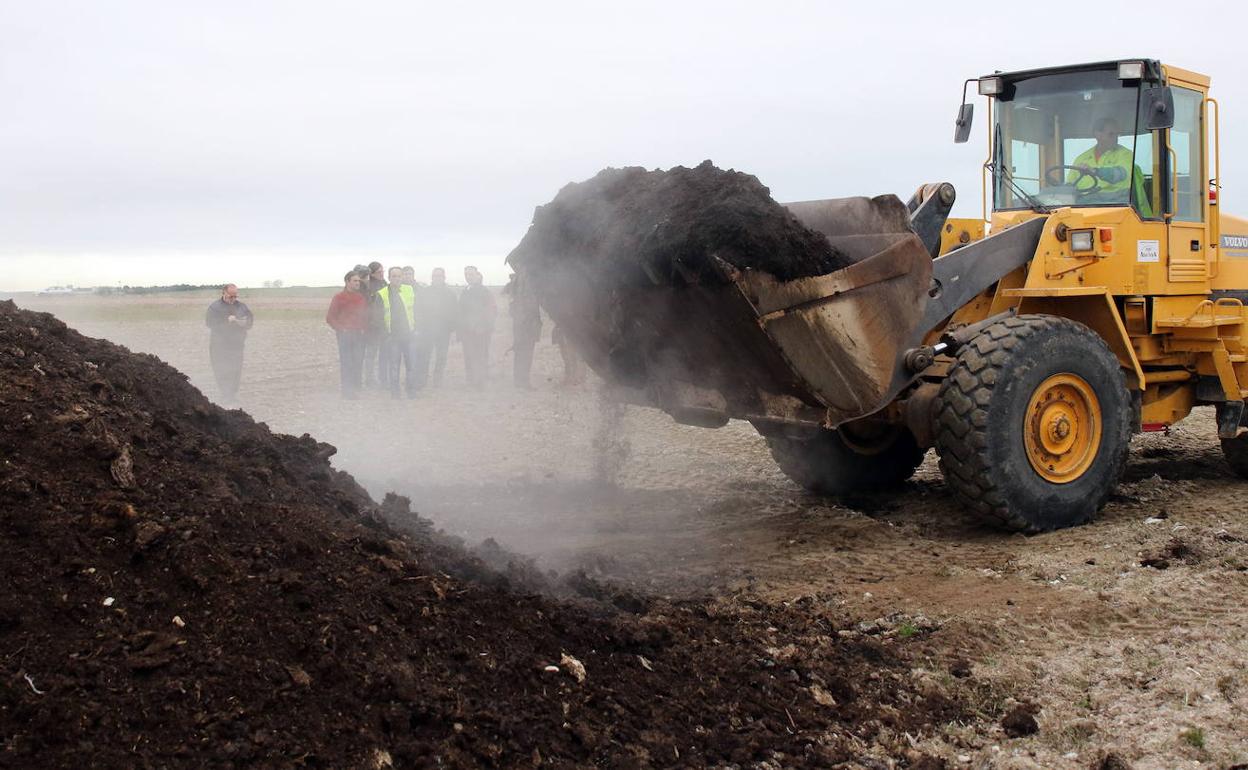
{"points": [[962, 129], [1159, 102]]}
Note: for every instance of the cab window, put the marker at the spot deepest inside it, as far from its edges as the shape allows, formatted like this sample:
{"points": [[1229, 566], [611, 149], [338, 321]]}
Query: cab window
{"points": [[1187, 160]]}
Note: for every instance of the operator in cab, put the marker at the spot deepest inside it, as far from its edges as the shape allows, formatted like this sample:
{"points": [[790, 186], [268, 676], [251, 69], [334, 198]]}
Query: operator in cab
{"points": [[1106, 171]]}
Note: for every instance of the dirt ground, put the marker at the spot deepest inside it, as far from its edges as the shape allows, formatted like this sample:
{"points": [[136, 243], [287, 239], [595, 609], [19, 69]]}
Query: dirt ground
{"points": [[1127, 634]]}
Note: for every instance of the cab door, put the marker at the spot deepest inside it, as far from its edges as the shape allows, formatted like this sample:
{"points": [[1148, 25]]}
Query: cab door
{"points": [[1185, 192]]}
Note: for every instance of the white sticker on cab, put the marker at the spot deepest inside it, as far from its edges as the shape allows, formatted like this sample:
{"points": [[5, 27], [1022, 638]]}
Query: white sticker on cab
{"points": [[1148, 251]]}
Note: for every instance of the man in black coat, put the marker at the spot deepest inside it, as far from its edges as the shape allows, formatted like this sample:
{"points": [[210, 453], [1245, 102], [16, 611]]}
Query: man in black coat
{"points": [[526, 328], [228, 322], [441, 307], [476, 325]]}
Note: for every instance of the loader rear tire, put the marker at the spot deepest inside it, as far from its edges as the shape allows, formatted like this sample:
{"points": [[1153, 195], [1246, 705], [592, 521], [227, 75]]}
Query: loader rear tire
{"points": [[1033, 423], [833, 462], [1235, 450]]}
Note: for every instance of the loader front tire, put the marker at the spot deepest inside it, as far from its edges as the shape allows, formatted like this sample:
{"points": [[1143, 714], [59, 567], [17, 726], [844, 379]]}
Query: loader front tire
{"points": [[1033, 423], [835, 462]]}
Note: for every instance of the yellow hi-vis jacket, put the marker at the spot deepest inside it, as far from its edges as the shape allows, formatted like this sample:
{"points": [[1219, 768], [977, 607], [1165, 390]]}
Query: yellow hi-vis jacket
{"points": [[408, 298], [1114, 173]]}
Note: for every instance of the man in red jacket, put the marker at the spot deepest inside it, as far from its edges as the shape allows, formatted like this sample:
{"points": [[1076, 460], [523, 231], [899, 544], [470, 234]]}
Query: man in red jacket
{"points": [[348, 317]]}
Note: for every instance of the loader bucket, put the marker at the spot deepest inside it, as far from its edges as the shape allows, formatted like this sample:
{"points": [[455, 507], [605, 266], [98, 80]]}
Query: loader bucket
{"points": [[844, 333], [820, 349]]}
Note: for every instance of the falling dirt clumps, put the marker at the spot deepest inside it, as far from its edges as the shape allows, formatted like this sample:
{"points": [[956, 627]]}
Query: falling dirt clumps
{"points": [[182, 586], [634, 225]]}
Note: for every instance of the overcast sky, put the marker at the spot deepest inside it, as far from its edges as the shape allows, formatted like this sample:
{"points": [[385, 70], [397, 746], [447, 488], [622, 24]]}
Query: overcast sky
{"points": [[163, 142]]}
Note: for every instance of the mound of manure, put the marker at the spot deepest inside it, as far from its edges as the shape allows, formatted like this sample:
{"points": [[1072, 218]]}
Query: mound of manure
{"points": [[182, 587]]}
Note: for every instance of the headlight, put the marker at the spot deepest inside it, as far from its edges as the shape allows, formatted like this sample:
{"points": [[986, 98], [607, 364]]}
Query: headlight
{"points": [[1081, 240]]}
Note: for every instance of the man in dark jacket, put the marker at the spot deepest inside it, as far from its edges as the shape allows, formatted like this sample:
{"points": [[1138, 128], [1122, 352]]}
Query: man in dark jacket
{"points": [[228, 322], [573, 366], [476, 325], [440, 307], [526, 328]]}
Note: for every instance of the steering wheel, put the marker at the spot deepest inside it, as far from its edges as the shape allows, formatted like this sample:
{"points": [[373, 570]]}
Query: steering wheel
{"points": [[1083, 174]]}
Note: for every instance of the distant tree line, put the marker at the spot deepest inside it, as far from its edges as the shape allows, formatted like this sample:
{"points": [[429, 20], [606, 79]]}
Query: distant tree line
{"points": [[276, 284], [154, 289]]}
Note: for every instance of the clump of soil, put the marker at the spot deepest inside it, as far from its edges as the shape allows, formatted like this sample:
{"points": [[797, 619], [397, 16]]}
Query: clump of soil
{"points": [[1021, 721], [1177, 550], [634, 225], [1111, 761], [182, 586]]}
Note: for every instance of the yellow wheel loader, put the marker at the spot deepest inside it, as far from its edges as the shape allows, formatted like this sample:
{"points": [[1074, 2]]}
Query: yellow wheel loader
{"points": [[1105, 297]]}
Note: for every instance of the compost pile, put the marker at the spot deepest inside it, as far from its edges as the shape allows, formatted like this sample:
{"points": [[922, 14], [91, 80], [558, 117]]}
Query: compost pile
{"points": [[182, 586], [632, 225]]}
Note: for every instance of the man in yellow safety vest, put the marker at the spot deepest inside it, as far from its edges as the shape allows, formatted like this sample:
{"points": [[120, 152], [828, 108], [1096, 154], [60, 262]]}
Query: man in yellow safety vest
{"points": [[1106, 172], [398, 311]]}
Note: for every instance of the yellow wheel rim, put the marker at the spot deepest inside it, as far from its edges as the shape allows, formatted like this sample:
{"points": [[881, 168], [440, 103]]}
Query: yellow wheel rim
{"points": [[1062, 429]]}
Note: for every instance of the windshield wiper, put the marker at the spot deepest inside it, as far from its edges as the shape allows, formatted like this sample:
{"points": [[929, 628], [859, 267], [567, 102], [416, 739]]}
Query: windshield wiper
{"points": [[1032, 203], [997, 165]]}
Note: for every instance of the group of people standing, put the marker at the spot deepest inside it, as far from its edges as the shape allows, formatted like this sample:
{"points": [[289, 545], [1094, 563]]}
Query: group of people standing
{"points": [[390, 328]]}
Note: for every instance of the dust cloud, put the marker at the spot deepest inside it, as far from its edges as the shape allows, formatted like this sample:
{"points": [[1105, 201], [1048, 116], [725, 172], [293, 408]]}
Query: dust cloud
{"points": [[611, 444], [545, 473], [556, 473]]}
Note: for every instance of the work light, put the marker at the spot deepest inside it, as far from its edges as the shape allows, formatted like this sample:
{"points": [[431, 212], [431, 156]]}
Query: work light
{"points": [[1130, 70], [990, 86]]}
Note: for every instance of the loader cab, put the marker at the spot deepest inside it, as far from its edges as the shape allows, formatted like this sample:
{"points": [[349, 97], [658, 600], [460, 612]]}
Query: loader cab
{"points": [[1125, 145], [1096, 135]]}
